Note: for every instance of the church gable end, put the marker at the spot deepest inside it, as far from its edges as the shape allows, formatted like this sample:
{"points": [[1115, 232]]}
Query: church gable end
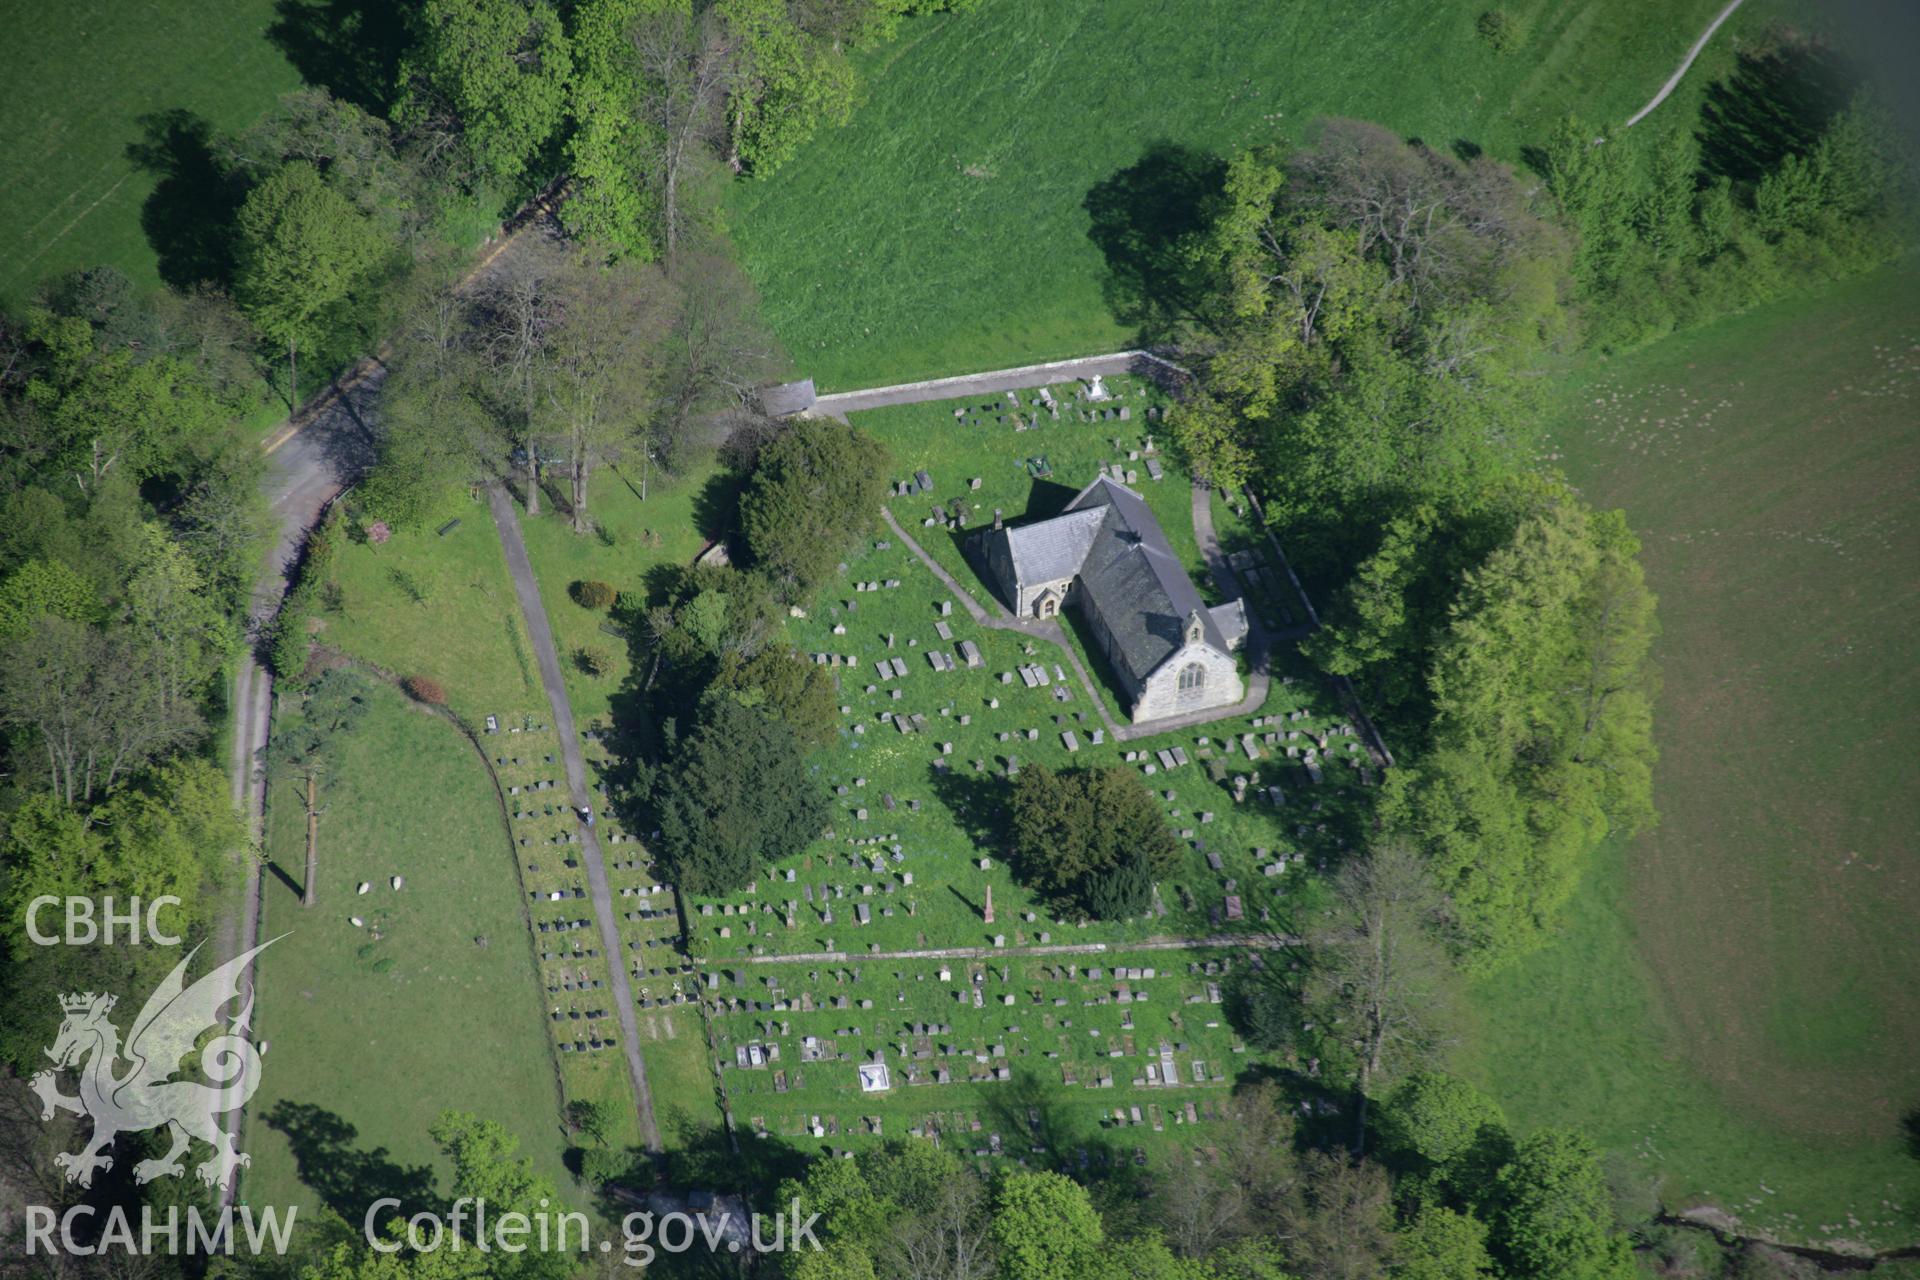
{"points": [[1107, 555]]}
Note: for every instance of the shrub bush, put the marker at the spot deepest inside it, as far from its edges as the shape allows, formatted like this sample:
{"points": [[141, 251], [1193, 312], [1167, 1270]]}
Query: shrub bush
{"points": [[593, 660], [425, 689], [1498, 29], [601, 1165], [591, 593], [292, 641]]}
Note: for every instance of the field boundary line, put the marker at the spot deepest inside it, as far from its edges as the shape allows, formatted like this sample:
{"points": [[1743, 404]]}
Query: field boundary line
{"points": [[1011, 379]]}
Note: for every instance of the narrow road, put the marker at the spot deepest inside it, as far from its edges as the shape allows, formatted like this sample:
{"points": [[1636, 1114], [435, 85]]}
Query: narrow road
{"points": [[312, 457], [1259, 941], [527, 589], [1673, 81], [996, 380], [306, 471]]}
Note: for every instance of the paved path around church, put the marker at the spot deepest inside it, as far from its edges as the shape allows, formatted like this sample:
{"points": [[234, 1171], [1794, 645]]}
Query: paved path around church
{"points": [[528, 590], [1000, 619], [1261, 941]]}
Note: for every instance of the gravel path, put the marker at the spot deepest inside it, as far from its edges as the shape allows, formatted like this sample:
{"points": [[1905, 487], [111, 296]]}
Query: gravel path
{"points": [[1673, 80], [528, 590], [1000, 619]]}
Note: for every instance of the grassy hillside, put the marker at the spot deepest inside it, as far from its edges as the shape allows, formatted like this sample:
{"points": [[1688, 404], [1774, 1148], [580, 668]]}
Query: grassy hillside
{"points": [[87, 83], [1732, 1000], [374, 1030], [946, 228]]}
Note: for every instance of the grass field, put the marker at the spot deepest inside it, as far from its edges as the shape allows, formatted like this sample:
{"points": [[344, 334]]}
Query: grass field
{"points": [[1733, 1000], [632, 537], [375, 1030], [442, 605], [438, 605], [81, 79], [947, 227]]}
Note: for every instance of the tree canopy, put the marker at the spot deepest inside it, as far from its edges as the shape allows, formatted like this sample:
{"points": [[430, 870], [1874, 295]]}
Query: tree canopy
{"points": [[1541, 739], [1091, 840], [734, 795], [491, 74], [302, 248], [817, 487]]}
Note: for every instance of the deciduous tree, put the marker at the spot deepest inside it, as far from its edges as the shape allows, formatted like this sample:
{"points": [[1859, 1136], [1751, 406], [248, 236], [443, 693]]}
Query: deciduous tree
{"points": [[302, 249], [91, 703], [491, 74], [1046, 1229], [1377, 973], [307, 751], [1552, 1214], [598, 367]]}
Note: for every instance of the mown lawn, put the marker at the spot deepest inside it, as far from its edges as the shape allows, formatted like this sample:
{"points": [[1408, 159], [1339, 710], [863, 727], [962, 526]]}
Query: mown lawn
{"points": [[431, 1004], [438, 605], [947, 228], [1733, 1000], [82, 77], [630, 538]]}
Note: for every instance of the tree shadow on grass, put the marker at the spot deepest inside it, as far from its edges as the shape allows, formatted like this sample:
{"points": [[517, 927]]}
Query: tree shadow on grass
{"points": [[1028, 1115], [1775, 104], [350, 48], [346, 1177], [188, 219], [701, 1158], [716, 507], [1148, 220], [978, 802]]}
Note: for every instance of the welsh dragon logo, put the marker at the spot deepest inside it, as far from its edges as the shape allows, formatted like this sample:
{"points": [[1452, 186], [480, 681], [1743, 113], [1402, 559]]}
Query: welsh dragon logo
{"points": [[145, 1095]]}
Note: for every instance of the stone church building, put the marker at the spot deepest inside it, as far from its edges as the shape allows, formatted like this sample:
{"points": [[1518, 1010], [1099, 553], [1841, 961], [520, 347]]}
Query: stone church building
{"points": [[1106, 556]]}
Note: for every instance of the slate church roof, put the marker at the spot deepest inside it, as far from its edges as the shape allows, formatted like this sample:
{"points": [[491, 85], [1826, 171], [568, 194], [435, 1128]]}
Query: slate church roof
{"points": [[1050, 550], [1108, 538]]}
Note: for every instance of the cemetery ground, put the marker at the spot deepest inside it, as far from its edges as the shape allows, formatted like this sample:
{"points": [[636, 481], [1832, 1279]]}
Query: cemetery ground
{"points": [[441, 605], [1042, 1039], [1013, 181], [369, 1032], [1731, 999]]}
